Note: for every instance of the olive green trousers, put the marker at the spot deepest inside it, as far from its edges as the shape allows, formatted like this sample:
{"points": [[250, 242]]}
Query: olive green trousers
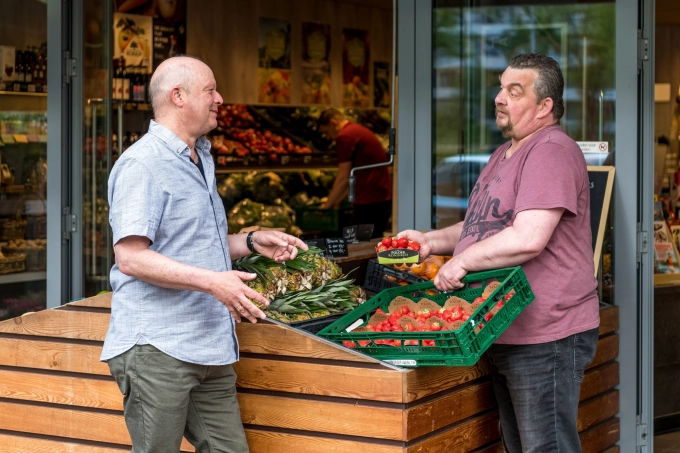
{"points": [[165, 399]]}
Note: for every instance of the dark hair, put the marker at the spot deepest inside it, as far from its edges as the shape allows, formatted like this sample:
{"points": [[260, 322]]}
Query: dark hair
{"points": [[328, 115], [549, 83]]}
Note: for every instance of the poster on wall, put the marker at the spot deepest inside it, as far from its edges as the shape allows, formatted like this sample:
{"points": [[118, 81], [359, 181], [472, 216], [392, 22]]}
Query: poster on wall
{"points": [[381, 84], [164, 25], [132, 39], [316, 69], [169, 39], [355, 71], [273, 73], [665, 254]]}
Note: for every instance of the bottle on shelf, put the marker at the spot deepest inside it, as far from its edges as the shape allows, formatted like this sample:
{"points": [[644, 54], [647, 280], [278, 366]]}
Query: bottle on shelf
{"points": [[19, 71], [29, 66], [43, 67], [126, 80], [117, 85]]}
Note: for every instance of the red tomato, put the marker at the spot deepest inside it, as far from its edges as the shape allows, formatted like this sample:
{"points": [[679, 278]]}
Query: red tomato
{"points": [[402, 243], [413, 245], [478, 299], [488, 316], [387, 242], [349, 344], [404, 309], [364, 343], [409, 328], [379, 310], [435, 326]]}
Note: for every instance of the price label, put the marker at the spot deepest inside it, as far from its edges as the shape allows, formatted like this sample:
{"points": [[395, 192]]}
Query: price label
{"points": [[285, 160], [350, 233], [402, 362], [336, 247], [320, 243], [307, 160]]}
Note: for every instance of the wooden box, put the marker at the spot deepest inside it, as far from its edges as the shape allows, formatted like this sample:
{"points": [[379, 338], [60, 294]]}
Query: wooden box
{"points": [[297, 392]]}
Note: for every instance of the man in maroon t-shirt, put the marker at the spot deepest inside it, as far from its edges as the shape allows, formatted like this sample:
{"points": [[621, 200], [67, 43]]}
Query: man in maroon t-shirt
{"points": [[531, 207], [357, 146]]}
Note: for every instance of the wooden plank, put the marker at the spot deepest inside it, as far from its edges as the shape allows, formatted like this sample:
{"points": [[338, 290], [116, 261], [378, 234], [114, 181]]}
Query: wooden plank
{"points": [[317, 379], [614, 449], [100, 301], [494, 448], [609, 319], [601, 437], [322, 416], [598, 410], [83, 391], [425, 381], [450, 409], [607, 349], [599, 380], [462, 438], [266, 338], [52, 355], [67, 422], [59, 323], [275, 442], [11, 443]]}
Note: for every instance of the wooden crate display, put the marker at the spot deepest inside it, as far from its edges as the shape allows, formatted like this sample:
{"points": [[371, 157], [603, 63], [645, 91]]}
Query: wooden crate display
{"points": [[297, 393]]}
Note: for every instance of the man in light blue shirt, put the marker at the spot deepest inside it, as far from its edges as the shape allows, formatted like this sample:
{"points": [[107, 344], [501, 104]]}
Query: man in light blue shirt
{"points": [[171, 339]]}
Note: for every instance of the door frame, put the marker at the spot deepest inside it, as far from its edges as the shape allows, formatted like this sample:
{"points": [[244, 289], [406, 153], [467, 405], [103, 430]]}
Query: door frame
{"points": [[632, 206]]}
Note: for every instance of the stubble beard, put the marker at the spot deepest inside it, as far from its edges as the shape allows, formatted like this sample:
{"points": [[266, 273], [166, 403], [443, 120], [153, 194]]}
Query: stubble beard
{"points": [[506, 129]]}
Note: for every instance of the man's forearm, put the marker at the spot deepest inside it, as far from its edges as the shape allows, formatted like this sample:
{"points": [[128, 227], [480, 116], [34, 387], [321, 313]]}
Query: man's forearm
{"points": [[444, 241], [152, 267]]}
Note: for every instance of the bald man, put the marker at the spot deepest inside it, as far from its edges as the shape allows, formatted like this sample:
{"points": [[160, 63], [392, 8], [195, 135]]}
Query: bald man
{"points": [[171, 339]]}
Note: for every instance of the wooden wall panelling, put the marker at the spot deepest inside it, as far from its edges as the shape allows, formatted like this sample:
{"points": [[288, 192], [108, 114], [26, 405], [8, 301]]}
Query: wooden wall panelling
{"points": [[14, 443], [601, 437], [320, 379], [225, 36], [351, 418], [52, 354], [476, 433], [261, 441], [60, 324]]}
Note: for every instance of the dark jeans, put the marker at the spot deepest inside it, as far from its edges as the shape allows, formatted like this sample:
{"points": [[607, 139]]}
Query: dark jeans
{"points": [[377, 214], [537, 388], [165, 399]]}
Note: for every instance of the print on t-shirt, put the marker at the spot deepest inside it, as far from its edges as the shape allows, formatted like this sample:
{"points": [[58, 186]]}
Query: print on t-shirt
{"points": [[477, 221]]}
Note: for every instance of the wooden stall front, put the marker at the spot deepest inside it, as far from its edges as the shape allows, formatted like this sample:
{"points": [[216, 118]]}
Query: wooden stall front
{"points": [[298, 393]]}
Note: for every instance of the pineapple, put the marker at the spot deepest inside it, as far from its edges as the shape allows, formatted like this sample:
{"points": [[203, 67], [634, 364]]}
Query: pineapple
{"points": [[278, 282], [324, 269], [357, 294]]}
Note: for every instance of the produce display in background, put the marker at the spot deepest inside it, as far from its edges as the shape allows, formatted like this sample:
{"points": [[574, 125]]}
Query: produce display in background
{"points": [[247, 130], [310, 286], [297, 189], [247, 213]]}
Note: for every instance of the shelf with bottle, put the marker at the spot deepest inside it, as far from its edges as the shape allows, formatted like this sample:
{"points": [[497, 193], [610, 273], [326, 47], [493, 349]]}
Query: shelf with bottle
{"points": [[130, 85], [25, 71]]}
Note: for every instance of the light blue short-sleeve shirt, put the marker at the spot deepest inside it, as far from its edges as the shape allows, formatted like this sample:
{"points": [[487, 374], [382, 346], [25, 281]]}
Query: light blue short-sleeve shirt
{"points": [[156, 191]]}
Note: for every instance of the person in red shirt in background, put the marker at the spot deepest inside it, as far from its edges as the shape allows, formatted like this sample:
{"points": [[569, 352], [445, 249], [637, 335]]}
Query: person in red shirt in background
{"points": [[357, 146]]}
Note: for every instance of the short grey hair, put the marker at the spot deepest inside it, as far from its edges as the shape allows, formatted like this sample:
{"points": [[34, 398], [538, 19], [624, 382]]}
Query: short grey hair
{"points": [[180, 73]]}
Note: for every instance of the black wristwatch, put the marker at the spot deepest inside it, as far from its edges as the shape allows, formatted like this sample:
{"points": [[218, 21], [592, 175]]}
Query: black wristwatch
{"points": [[249, 242]]}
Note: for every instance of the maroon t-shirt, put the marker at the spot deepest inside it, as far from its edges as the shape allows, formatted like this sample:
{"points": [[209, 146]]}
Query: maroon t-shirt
{"points": [[359, 145], [547, 172]]}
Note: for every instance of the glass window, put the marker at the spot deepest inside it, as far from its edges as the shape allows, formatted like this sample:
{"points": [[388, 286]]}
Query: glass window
{"points": [[23, 156], [472, 46]]}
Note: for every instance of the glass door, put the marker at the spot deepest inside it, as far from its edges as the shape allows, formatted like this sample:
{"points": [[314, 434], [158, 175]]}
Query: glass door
{"points": [[92, 150], [23, 157], [451, 53]]}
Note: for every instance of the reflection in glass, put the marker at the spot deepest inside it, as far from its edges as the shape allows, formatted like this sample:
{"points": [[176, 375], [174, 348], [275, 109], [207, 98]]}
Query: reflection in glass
{"points": [[472, 46], [23, 157]]}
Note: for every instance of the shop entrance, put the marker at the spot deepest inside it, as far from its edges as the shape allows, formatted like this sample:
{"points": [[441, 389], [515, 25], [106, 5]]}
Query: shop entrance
{"points": [[459, 50]]}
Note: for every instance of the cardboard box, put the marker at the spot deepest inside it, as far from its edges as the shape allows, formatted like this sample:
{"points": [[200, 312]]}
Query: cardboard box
{"points": [[7, 62]]}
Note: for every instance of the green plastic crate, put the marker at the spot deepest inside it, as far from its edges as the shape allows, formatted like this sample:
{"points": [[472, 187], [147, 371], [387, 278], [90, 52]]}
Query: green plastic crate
{"points": [[312, 218], [462, 347]]}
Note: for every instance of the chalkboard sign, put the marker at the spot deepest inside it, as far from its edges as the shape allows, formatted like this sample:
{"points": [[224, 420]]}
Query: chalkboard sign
{"points": [[350, 233], [320, 243], [601, 185], [336, 247]]}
